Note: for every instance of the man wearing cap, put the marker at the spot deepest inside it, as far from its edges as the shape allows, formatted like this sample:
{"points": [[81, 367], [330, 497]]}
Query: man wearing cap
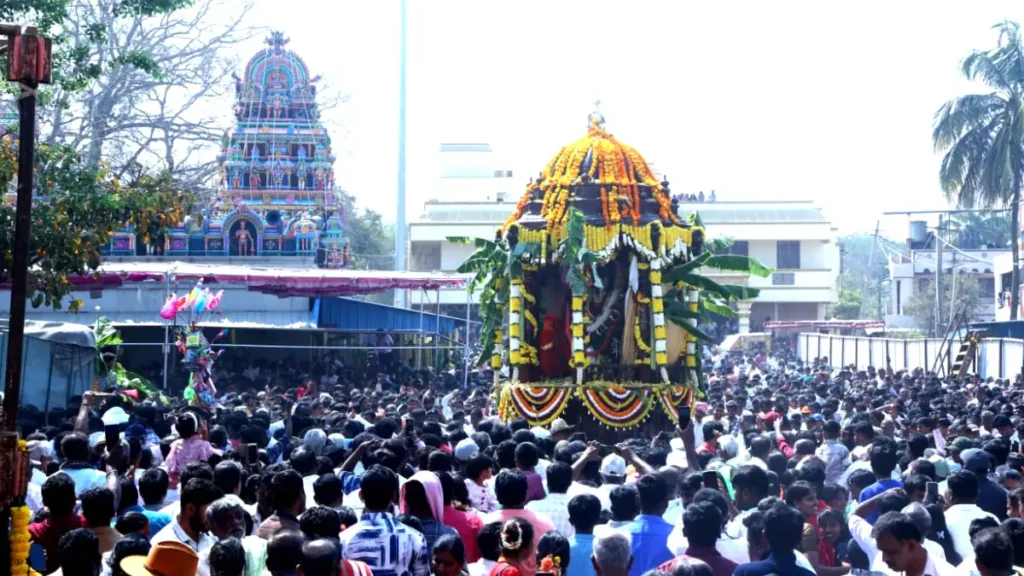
{"points": [[955, 450], [561, 430], [991, 496]]}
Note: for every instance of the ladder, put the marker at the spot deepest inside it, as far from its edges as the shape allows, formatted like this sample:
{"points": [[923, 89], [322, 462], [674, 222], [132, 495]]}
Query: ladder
{"points": [[964, 354]]}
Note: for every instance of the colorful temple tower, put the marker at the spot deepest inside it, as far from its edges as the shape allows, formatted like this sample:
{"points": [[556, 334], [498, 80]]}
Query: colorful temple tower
{"points": [[275, 194]]}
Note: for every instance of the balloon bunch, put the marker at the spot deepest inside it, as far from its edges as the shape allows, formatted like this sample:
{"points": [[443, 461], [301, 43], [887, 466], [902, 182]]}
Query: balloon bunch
{"points": [[198, 301]]}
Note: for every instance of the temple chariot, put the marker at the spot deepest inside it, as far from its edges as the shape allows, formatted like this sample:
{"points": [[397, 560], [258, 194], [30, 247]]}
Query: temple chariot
{"points": [[597, 332]]}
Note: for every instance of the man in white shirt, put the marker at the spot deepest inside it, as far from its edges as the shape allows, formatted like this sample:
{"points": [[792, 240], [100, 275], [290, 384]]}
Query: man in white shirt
{"points": [[901, 545], [556, 504], [75, 447], [488, 541], [962, 492], [190, 526]]}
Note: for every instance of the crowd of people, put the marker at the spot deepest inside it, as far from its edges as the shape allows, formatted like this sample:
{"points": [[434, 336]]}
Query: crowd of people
{"points": [[783, 469]]}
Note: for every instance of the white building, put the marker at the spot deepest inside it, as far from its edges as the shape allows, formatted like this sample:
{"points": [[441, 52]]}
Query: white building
{"points": [[794, 239], [911, 273], [475, 193]]}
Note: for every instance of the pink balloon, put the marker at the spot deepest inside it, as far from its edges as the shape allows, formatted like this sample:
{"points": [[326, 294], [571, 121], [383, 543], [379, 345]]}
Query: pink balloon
{"points": [[169, 309]]}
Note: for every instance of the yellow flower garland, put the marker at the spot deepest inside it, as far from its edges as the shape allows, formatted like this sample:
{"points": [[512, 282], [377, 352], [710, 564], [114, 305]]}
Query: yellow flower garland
{"points": [[639, 337], [19, 535]]}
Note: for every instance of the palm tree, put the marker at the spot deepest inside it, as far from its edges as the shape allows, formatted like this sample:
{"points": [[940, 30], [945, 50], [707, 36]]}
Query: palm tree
{"points": [[982, 136]]}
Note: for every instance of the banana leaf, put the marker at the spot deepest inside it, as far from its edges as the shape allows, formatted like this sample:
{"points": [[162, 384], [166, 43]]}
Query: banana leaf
{"points": [[685, 325], [737, 263]]}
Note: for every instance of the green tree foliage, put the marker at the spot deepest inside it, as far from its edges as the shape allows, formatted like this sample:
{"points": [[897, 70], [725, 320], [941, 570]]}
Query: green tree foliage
{"points": [[978, 231], [372, 242], [848, 307], [964, 293], [73, 66], [77, 208], [982, 135]]}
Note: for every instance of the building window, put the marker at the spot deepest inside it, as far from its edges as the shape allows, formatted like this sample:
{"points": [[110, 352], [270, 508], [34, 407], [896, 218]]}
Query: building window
{"points": [[739, 248], [783, 279], [425, 256], [788, 254], [987, 288]]}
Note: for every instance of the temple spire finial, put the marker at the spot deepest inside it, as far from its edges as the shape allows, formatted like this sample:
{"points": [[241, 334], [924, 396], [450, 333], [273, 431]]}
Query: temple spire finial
{"points": [[595, 119]]}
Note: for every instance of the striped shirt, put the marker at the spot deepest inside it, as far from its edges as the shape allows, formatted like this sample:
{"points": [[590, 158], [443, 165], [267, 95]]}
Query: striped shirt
{"points": [[387, 546]]}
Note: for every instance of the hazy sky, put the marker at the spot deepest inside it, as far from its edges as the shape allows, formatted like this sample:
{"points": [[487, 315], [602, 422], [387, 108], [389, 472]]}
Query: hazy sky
{"points": [[781, 100]]}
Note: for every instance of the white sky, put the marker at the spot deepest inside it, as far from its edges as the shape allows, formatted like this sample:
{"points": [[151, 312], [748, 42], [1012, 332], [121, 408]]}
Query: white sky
{"points": [[758, 100]]}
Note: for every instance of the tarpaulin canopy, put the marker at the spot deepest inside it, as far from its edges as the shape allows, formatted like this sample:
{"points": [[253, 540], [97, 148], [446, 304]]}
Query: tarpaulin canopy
{"points": [[868, 326], [283, 282]]}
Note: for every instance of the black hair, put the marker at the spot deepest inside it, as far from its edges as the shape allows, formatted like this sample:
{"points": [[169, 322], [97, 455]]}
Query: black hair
{"points": [[752, 478], [478, 465], [320, 557], [59, 495], [584, 512], [559, 476], [379, 485], [227, 558], [915, 483], [702, 522], [861, 479], [510, 488], [527, 455], [75, 447], [195, 470], [439, 461], [828, 492], [715, 497], [303, 460], [783, 527], [553, 543], [286, 488], [327, 489], [199, 492], [153, 486], [899, 526], [346, 516], [488, 539], [284, 551], [993, 549], [131, 522], [516, 530], [883, 458], [98, 506], [797, 491], [320, 522], [625, 502], [982, 523], [505, 453], [653, 492], [186, 424], [452, 544], [129, 545], [963, 485], [227, 476], [79, 552], [1014, 529]]}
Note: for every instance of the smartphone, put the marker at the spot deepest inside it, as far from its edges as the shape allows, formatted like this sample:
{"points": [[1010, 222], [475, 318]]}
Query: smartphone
{"points": [[606, 450], [710, 479], [1015, 447], [684, 417], [931, 493], [112, 435], [252, 453], [134, 450]]}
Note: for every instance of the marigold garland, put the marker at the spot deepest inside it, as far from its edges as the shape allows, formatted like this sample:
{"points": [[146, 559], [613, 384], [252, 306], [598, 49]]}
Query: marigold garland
{"points": [[539, 405], [621, 408]]}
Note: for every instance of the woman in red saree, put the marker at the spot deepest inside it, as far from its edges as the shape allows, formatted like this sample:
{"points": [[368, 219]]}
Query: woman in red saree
{"points": [[516, 546]]}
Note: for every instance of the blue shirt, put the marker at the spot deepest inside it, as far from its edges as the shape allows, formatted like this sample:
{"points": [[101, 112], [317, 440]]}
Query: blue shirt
{"points": [[581, 548], [782, 565], [157, 520], [389, 547], [650, 536], [874, 490]]}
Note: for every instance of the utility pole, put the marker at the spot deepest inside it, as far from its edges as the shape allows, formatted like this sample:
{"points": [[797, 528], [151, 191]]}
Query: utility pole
{"points": [[938, 279], [867, 275], [401, 230]]}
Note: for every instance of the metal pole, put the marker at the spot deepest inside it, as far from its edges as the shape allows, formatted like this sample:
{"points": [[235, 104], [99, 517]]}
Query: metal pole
{"points": [[400, 227], [465, 346], [419, 353], [437, 331], [167, 328], [938, 280], [19, 268]]}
